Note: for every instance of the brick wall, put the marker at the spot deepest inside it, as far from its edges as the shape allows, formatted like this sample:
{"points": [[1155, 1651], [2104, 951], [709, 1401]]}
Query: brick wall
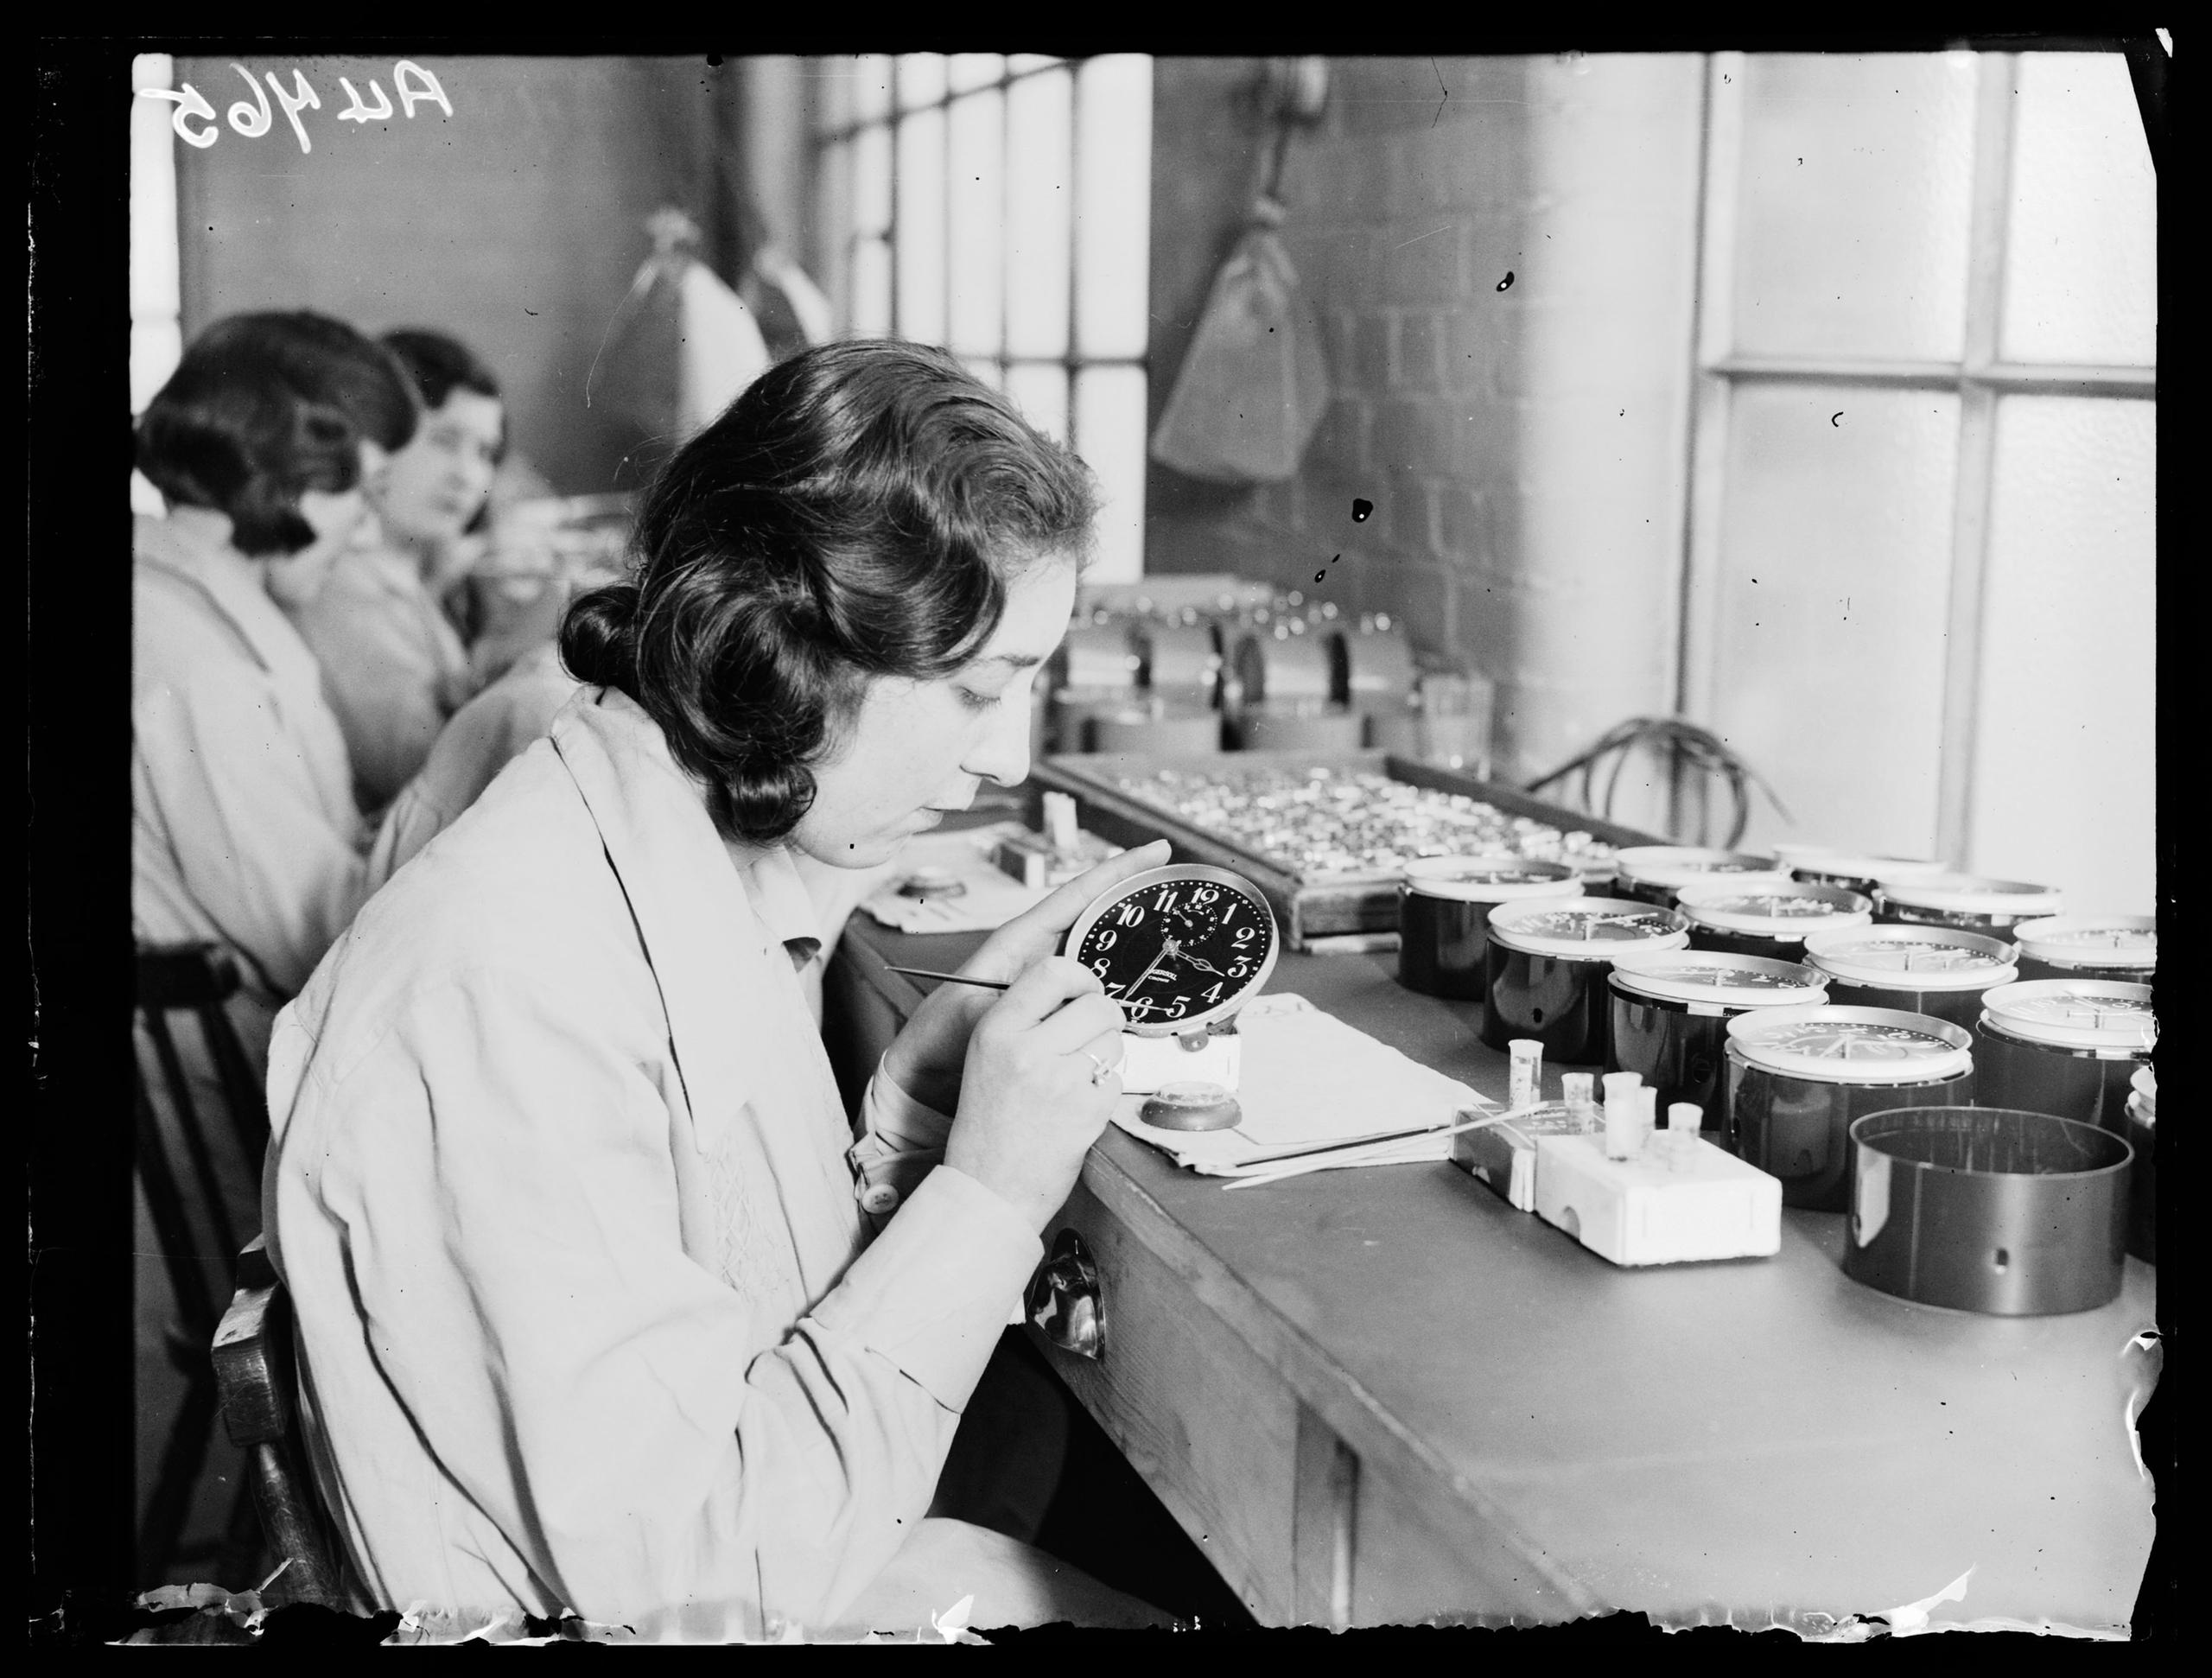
{"points": [[1525, 449]]}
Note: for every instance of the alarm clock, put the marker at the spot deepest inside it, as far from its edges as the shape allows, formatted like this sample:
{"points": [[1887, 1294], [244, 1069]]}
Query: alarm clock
{"points": [[1182, 949]]}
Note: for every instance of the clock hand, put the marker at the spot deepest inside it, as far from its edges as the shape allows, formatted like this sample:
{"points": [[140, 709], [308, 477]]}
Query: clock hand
{"points": [[1167, 947]]}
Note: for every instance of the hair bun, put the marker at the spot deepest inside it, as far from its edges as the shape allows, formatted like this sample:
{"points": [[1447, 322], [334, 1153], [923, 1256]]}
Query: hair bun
{"points": [[599, 636]]}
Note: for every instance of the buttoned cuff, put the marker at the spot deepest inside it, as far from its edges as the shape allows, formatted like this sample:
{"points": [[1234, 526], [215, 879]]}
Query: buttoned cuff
{"points": [[933, 1290], [901, 1141]]}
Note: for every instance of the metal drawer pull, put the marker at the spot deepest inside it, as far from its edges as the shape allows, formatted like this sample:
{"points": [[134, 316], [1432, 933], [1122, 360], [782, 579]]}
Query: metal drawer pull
{"points": [[1066, 1301]]}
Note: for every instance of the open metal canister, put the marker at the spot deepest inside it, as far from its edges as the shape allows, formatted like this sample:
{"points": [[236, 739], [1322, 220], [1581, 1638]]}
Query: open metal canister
{"points": [[1988, 1208]]}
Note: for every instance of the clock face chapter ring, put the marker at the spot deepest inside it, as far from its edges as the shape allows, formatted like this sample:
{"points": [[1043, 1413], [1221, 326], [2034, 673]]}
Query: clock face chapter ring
{"points": [[1181, 948]]}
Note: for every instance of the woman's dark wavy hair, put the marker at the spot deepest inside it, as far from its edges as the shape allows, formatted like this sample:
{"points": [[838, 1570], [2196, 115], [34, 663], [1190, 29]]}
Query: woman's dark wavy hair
{"points": [[264, 408], [856, 513], [440, 365]]}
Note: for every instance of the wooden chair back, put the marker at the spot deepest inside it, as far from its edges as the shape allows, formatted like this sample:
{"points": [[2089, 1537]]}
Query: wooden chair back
{"points": [[255, 1375], [192, 1212]]}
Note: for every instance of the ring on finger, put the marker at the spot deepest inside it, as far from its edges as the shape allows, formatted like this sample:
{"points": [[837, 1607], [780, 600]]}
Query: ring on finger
{"points": [[1104, 1071]]}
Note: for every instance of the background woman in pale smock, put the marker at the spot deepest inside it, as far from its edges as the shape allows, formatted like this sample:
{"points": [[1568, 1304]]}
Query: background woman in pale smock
{"points": [[394, 668], [244, 830], [602, 1308]]}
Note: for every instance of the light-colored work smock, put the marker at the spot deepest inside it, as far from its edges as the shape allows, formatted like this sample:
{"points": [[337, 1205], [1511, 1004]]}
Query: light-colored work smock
{"points": [[392, 667], [243, 826], [492, 730], [483, 737], [570, 1213]]}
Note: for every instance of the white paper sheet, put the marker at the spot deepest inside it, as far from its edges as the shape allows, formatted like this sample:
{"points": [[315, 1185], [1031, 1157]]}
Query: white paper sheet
{"points": [[1310, 1079]]}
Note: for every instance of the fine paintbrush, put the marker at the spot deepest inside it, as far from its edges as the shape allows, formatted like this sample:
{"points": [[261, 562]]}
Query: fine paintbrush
{"points": [[956, 978]]}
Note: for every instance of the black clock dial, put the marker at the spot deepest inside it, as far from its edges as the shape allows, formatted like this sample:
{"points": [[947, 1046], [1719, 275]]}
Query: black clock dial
{"points": [[1178, 949]]}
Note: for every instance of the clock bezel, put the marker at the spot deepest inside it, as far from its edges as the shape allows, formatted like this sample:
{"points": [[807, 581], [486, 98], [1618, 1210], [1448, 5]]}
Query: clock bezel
{"points": [[1113, 896]]}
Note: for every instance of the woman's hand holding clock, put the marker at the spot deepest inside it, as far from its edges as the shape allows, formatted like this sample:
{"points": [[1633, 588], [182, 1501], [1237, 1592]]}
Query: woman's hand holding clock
{"points": [[927, 1058]]}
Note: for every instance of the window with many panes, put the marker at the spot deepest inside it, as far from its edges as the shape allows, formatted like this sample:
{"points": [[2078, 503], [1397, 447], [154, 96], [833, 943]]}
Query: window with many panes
{"points": [[1921, 588], [999, 206]]}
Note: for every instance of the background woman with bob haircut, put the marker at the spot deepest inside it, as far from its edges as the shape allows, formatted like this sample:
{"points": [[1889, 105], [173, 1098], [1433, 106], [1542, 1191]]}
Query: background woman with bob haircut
{"points": [[601, 1307], [243, 830], [393, 668]]}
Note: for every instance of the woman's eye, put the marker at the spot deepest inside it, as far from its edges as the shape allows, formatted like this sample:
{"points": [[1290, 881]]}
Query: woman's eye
{"points": [[977, 701]]}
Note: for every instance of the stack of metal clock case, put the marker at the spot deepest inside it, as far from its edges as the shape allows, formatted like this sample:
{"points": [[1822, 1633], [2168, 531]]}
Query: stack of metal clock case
{"points": [[1250, 669]]}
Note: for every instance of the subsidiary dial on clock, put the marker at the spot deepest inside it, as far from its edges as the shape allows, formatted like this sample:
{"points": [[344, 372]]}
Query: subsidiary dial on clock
{"points": [[1180, 948]]}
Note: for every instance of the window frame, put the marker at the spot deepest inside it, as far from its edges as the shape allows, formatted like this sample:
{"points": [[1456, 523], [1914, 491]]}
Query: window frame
{"points": [[1979, 379], [841, 245]]}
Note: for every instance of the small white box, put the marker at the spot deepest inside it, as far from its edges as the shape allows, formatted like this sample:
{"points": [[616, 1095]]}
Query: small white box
{"points": [[1150, 1062], [1503, 1154], [1658, 1208]]}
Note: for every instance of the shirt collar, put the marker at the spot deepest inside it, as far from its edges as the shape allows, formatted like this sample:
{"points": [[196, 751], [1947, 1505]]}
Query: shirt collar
{"points": [[780, 899], [231, 580]]}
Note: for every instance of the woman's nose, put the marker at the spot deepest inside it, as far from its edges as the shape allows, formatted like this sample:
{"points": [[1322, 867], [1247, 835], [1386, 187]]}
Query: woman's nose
{"points": [[1003, 756]]}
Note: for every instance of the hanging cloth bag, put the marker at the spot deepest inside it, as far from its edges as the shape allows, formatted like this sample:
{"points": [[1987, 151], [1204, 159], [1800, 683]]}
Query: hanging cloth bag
{"points": [[681, 345], [1253, 386]]}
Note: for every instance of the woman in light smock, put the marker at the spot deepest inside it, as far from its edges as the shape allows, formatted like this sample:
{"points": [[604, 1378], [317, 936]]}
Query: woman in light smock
{"points": [[601, 1306], [244, 830], [393, 668]]}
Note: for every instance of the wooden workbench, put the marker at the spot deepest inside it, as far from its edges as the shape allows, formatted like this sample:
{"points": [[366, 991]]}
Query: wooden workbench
{"points": [[1383, 1396]]}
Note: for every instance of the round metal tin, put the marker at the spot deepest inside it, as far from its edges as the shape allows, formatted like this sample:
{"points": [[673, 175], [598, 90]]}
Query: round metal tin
{"points": [[1770, 920], [1714, 984], [1798, 1078], [1670, 1015], [1586, 928], [2106, 1015], [1996, 1210], [1546, 965], [1654, 873], [1973, 903], [1835, 1044], [2068, 1047], [1490, 879], [1443, 909], [1854, 871], [1916, 970], [2089, 947]]}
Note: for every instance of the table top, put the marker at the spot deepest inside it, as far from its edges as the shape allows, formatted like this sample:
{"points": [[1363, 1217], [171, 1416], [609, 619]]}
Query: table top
{"points": [[1696, 1440]]}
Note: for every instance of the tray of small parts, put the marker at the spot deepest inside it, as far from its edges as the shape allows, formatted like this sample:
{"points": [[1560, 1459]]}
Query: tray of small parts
{"points": [[1326, 838]]}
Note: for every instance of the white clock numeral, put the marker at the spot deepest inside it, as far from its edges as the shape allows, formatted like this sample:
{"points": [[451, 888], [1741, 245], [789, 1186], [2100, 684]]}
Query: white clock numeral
{"points": [[1213, 995], [1132, 913], [1104, 938], [1246, 934], [1166, 902], [1230, 913], [1102, 967], [1205, 895]]}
